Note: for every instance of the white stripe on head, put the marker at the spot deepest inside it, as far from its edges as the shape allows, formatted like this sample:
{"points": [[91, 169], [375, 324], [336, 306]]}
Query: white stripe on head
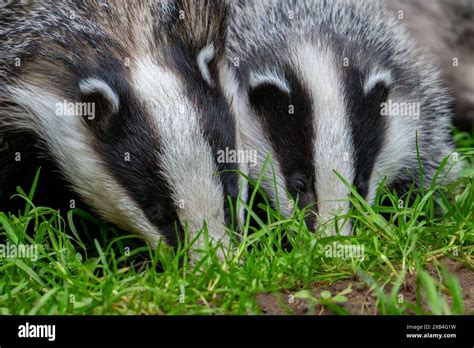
{"points": [[187, 158], [243, 183], [253, 139], [376, 76], [230, 87], [203, 59], [398, 150], [93, 85], [333, 149], [270, 77], [68, 141]]}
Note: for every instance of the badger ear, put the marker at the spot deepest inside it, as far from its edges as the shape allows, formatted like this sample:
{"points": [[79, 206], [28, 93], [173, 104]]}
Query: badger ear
{"points": [[378, 82], [100, 93], [204, 59], [199, 27], [199, 23], [266, 87]]}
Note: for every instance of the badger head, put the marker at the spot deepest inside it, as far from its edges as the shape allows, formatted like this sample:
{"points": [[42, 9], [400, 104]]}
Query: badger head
{"points": [[126, 101], [310, 82]]}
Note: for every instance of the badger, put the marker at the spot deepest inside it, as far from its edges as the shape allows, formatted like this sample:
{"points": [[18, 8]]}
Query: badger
{"points": [[123, 96], [330, 90]]}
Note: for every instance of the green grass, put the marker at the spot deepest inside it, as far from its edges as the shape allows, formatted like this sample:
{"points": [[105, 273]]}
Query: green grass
{"points": [[84, 270]]}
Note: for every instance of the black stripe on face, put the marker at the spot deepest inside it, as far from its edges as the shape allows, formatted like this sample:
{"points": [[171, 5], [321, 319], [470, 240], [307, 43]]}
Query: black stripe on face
{"points": [[368, 126], [219, 130], [130, 148], [216, 121], [287, 120]]}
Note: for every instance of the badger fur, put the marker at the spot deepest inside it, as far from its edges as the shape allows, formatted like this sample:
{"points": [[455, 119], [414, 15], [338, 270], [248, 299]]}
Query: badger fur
{"points": [[320, 86], [445, 30], [146, 157]]}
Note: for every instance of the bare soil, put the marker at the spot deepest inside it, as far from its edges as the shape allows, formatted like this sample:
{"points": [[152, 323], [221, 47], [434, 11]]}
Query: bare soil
{"points": [[361, 299]]}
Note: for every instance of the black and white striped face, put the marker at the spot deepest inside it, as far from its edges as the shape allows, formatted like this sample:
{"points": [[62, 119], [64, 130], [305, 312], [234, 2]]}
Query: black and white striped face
{"points": [[143, 138], [328, 87], [160, 135], [316, 117], [333, 86], [172, 122]]}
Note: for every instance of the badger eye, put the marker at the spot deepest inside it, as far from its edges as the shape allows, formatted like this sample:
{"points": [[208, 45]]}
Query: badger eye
{"points": [[298, 184]]}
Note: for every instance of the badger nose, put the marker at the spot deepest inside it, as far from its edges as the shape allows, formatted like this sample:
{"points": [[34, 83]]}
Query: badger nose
{"points": [[217, 238], [310, 220]]}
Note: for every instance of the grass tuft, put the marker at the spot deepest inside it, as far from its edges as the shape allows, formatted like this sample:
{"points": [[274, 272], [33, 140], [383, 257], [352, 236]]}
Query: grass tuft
{"points": [[394, 264]]}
